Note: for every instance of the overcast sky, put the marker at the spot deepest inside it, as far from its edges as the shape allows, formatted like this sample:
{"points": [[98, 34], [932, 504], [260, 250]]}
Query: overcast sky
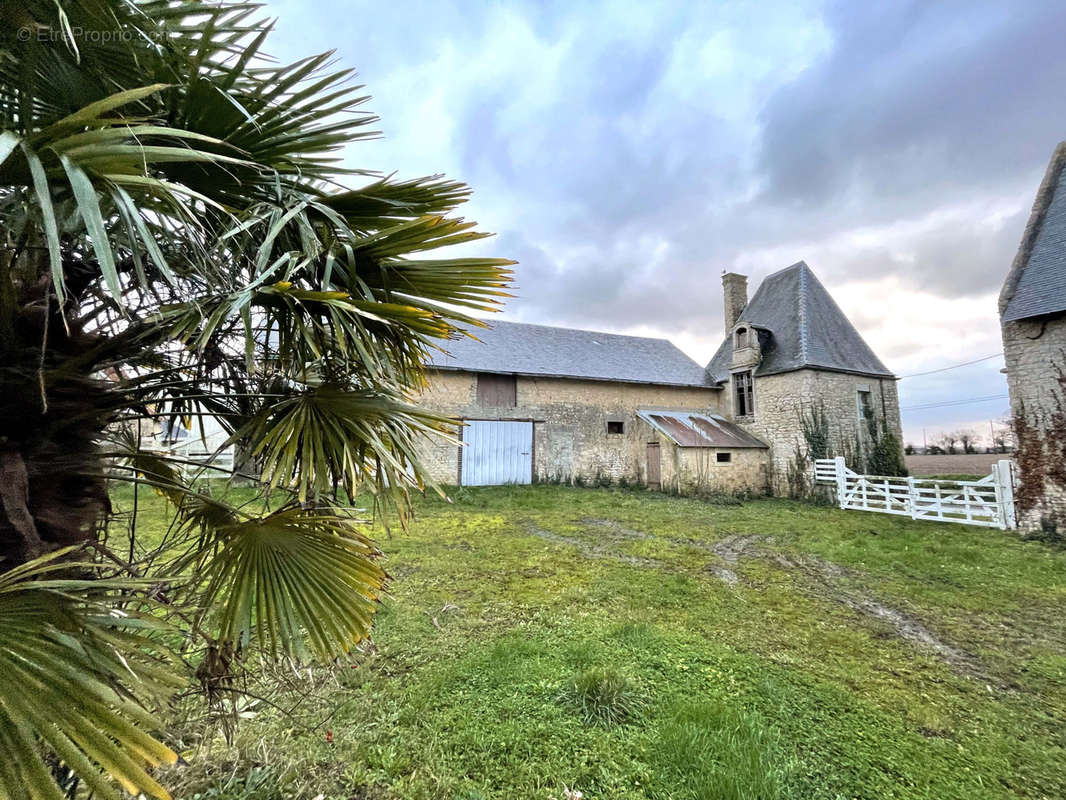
{"points": [[626, 154]]}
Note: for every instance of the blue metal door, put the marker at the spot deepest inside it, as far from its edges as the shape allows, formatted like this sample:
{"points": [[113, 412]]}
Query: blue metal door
{"points": [[497, 452]]}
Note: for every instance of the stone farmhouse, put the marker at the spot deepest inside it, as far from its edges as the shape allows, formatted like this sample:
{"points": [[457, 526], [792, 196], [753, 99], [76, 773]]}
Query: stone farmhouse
{"points": [[1032, 309], [544, 403]]}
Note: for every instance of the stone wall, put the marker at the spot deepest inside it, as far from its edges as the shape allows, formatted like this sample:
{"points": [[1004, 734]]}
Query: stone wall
{"points": [[781, 399], [570, 426], [1032, 349], [570, 422], [694, 470], [698, 470]]}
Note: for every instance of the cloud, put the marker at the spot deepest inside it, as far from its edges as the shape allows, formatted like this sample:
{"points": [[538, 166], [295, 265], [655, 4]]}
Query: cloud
{"points": [[918, 104], [628, 153]]}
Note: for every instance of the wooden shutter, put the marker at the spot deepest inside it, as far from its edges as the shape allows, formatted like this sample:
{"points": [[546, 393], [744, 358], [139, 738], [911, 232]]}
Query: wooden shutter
{"points": [[497, 391]]}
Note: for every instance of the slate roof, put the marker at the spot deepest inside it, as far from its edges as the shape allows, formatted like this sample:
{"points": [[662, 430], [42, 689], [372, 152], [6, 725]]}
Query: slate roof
{"points": [[519, 348], [1036, 283], [688, 429], [800, 327]]}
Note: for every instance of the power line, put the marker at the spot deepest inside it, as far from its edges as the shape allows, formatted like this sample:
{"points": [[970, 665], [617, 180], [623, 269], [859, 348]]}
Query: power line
{"points": [[946, 403], [953, 366]]}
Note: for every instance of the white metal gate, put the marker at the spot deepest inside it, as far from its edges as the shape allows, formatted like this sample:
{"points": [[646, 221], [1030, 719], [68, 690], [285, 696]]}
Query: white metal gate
{"points": [[988, 502], [497, 452]]}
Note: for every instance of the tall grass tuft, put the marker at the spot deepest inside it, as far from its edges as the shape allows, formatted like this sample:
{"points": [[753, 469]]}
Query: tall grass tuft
{"points": [[711, 751], [603, 696]]}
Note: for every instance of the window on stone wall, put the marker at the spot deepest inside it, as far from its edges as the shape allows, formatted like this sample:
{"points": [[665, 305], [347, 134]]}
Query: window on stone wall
{"points": [[742, 337], [496, 391], [744, 394], [615, 426], [723, 458], [866, 406]]}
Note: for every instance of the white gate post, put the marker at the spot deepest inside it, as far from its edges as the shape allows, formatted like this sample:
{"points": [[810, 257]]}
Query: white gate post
{"points": [[912, 499], [842, 482], [1004, 484]]}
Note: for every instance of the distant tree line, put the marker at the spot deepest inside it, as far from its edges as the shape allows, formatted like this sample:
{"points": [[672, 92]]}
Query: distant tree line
{"points": [[965, 441]]}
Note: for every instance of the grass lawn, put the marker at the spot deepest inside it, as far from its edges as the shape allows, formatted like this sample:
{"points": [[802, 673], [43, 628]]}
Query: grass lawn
{"points": [[633, 645]]}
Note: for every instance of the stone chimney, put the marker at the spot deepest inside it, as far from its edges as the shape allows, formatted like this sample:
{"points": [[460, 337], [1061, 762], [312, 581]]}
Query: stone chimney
{"points": [[735, 294]]}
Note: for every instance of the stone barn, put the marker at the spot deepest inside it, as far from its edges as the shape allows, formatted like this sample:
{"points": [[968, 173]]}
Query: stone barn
{"points": [[558, 404], [1032, 308]]}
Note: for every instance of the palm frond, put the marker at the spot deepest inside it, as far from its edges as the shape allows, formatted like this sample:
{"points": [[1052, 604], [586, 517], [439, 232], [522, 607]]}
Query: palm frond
{"points": [[291, 579], [362, 438], [69, 662], [178, 241]]}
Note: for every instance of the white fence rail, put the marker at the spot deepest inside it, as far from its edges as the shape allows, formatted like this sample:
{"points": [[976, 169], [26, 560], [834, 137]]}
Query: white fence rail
{"points": [[193, 458], [988, 501]]}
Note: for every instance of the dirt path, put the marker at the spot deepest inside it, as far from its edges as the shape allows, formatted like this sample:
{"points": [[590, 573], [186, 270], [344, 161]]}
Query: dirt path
{"points": [[840, 584], [591, 549], [602, 538]]}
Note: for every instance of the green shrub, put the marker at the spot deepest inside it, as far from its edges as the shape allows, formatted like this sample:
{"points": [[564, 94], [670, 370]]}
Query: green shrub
{"points": [[886, 455], [603, 696], [716, 497], [1050, 532]]}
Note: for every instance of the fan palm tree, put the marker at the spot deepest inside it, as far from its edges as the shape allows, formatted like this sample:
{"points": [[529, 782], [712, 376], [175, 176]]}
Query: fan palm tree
{"points": [[180, 234]]}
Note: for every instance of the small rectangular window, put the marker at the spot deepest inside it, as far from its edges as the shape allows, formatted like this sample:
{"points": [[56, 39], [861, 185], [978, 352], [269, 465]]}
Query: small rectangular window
{"points": [[615, 426], [745, 394], [723, 458]]}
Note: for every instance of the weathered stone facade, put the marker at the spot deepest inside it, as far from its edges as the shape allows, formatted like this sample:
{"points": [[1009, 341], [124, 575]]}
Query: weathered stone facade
{"points": [[570, 426], [569, 423], [1032, 310], [608, 407], [696, 470], [782, 399], [1034, 351]]}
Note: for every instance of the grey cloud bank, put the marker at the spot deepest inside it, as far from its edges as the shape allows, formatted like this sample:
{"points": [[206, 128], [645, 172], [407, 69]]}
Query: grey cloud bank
{"points": [[627, 155]]}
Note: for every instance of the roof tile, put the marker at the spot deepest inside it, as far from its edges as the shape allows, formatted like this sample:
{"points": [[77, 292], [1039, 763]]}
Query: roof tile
{"points": [[1036, 284], [513, 347], [808, 329]]}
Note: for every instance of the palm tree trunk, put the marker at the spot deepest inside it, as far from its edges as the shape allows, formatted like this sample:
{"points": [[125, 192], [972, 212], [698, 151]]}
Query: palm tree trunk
{"points": [[52, 484]]}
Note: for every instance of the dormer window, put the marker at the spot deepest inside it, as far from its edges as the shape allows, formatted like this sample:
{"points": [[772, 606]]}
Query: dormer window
{"points": [[741, 338]]}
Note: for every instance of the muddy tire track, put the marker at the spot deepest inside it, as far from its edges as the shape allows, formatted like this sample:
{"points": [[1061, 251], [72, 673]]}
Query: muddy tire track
{"points": [[815, 576]]}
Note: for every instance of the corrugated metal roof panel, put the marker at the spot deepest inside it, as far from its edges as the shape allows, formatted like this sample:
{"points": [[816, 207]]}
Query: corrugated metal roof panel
{"points": [[691, 429]]}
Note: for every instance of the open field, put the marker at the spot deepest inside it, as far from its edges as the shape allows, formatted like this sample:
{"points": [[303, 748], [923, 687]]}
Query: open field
{"points": [[962, 464], [633, 645]]}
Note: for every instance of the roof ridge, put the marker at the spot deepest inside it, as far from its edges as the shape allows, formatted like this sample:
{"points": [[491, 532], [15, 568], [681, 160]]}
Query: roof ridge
{"points": [[804, 349], [801, 264], [493, 322], [1045, 196]]}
